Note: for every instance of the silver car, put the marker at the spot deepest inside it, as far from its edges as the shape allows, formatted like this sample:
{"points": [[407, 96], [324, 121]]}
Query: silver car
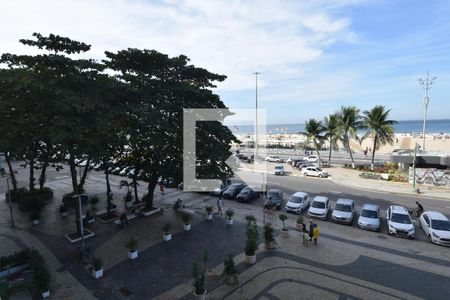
{"points": [[369, 217], [344, 211]]}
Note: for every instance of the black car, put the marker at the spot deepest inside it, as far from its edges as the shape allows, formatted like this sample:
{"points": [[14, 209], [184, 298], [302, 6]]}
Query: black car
{"points": [[223, 187], [294, 161], [247, 195], [233, 190], [274, 198]]}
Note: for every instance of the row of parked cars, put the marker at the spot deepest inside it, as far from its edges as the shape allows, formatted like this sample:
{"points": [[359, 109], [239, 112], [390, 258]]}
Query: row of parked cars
{"points": [[398, 218]]}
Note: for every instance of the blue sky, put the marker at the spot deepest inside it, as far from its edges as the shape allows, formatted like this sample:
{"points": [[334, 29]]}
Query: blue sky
{"points": [[314, 56]]}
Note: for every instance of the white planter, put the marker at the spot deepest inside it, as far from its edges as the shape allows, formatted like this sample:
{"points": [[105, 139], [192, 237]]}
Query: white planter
{"points": [[250, 259], [35, 222], [128, 204], [152, 212], [167, 237], [97, 274], [45, 294], [200, 297], [230, 221], [132, 255], [284, 233], [209, 217], [187, 227]]}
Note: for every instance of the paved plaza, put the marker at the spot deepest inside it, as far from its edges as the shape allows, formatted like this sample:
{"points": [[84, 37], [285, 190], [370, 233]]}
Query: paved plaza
{"points": [[348, 263]]}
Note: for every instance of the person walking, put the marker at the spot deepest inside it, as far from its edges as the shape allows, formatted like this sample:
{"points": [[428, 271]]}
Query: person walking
{"points": [[311, 229], [219, 206], [305, 237], [316, 234], [161, 187]]}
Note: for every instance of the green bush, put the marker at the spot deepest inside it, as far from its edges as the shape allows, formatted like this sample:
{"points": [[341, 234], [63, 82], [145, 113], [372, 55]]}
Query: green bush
{"points": [[268, 234], [229, 269], [167, 228], [229, 213], [128, 197], [97, 263], [69, 201], [208, 209], [186, 218], [251, 244], [132, 244], [283, 218]]}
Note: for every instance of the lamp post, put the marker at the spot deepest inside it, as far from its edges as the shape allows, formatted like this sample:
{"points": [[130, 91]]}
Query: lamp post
{"points": [[426, 85], [80, 211], [414, 166], [256, 115]]}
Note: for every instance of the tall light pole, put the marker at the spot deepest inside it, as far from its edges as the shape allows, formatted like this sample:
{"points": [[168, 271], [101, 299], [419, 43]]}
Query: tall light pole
{"points": [[256, 115], [426, 85]]}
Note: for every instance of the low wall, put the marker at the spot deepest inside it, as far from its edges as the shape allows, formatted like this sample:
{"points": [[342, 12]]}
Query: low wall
{"points": [[431, 176]]}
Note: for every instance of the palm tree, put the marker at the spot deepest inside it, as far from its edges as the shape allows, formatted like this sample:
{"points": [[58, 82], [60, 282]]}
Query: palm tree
{"points": [[314, 133], [330, 126], [348, 124], [379, 127]]}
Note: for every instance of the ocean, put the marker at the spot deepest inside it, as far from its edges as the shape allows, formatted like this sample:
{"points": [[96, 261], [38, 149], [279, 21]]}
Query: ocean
{"points": [[432, 127]]}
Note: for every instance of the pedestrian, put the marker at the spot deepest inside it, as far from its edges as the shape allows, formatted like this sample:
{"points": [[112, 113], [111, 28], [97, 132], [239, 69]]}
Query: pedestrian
{"points": [[305, 237], [316, 234], [311, 229], [123, 220], [219, 206], [161, 187]]}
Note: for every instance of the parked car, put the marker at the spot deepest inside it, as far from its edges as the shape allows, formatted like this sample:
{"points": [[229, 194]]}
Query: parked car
{"points": [[436, 226], [301, 165], [343, 211], [116, 170], [295, 161], [223, 187], [125, 171], [399, 222], [278, 170], [131, 172], [312, 158], [298, 202], [247, 195], [274, 197], [274, 158], [319, 207], [233, 190], [314, 171], [369, 217]]}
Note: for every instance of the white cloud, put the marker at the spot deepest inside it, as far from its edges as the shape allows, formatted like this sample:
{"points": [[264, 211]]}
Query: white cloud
{"points": [[234, 38]]}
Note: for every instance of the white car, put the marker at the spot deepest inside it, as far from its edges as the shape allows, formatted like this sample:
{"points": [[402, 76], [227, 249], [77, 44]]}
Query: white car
{"points": [[314, 171], [399, 222], [312, 158], [319, 207], [344, 211], [278, 170], [436, 226], [273, 158], [297, 202]]}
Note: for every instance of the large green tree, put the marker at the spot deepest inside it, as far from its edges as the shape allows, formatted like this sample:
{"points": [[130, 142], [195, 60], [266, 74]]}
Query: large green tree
{"points": [[349, 122], [379, 128], [163, 86]]}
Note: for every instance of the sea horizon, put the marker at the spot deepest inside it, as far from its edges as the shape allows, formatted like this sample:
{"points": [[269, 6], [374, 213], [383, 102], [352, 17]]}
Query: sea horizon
{"points": [[434, 126]]}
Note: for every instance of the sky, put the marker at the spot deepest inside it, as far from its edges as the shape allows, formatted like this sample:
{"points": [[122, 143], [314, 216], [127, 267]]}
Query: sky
{"points": [[313, 56]]}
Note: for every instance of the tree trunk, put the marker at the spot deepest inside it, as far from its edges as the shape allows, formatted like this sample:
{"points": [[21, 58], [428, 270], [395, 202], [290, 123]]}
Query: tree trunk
{"points": [[329, 155], [373, 151], [11, 171], [135, 184], [31, 186], [42, 176], [350, 150], [108, 188], [318, 154], [83, 177], [151, 191]]}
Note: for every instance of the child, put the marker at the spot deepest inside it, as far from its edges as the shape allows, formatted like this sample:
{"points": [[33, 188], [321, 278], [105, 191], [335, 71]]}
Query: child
{"points": [[305, 238], [316, 234]]}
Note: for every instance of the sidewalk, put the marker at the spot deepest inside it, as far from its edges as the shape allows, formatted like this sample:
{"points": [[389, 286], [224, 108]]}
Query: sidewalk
{"points": [[352, 179]]}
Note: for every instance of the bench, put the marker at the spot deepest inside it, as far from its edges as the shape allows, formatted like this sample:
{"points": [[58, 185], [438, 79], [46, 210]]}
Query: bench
{"points": [[129, 218]]}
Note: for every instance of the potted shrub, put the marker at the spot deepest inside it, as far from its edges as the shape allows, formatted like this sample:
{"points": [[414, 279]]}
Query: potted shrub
{"points": [[41, 274], [132, 249], [128, 198], [34, 216], [209, 210], [97, 267], [229, 271], [269, 240], [94, 200], [63, 210], [251, 244], [299, 222], [186, 218], [230, 213], [166, 230], [284, 231], [199, 274]]}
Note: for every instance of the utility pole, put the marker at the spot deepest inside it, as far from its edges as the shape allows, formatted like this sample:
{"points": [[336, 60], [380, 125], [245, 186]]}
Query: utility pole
{"points": [[426, 85], [256, 115], [416, 147]]}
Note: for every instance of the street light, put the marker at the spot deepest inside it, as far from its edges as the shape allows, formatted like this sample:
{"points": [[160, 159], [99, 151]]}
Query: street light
{"points": [[256, 115], [416, 148], [426, 85], [80, 211]]}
